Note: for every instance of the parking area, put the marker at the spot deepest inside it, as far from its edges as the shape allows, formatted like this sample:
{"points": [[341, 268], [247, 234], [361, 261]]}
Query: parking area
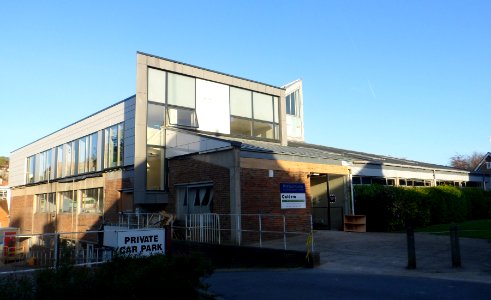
{"points": [[386, 253]]}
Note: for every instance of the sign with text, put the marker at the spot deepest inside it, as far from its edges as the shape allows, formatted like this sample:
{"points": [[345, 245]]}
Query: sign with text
{"points": [[137, 241], [292, 195]]}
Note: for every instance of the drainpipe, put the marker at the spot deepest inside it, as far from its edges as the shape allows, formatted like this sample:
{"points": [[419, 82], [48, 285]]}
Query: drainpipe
{"points": [[350, 175]]}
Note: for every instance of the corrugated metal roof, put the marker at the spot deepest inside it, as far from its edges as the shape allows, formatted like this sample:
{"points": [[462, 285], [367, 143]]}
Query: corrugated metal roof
{"points": [[303, 149]]}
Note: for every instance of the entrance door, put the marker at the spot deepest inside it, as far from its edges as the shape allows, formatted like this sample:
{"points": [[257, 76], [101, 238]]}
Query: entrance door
{"points": [[328, 194]]}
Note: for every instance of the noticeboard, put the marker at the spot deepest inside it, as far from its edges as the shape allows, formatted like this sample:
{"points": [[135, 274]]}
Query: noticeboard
{"points": [[292, 195]]}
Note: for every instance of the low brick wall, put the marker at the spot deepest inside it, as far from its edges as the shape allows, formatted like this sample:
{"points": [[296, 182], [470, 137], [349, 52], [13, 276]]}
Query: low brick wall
{"points": [[229, 256]]}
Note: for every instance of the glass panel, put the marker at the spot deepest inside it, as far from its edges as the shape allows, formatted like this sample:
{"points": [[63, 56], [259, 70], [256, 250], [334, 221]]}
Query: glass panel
{"points": [[67, 170], [293, 105], [30, 169], [182, 90], [182, 117], [156, 85], [94, 146], [276, 132], [91, 201], [155, 168], [240, 102], [288, 104], [113, 146], [263, 130], [68, 202], [275, 109], [82, 155], [155, 124], [121, 144], [240, 126], [59, 161], [263, 107], [51, 204], [41, 203], [50, 164], [40, 167]]}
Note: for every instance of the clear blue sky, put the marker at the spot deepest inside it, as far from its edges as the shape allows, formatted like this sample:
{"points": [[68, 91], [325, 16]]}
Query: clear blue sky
{"points": [[408, 79]]}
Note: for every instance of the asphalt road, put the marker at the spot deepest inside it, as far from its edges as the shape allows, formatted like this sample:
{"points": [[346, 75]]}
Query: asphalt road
{"points": [[367, 266], [317, 284]]}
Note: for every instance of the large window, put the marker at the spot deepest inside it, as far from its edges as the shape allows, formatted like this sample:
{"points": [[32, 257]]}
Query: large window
{"points": [[93, 152], [155, 124], [92, 201], [181, 100], [44, 167], [68, 201], [88, 153], [31, 162], [59, 161], [292, 103], [83, 149], [253, 114], [45, 203], [113, 146], [156, 85], [155, 168], [3, 195], [70, 152], [194, 200]]}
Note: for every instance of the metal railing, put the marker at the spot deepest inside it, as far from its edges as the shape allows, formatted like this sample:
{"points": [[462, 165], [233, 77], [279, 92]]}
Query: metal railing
{"points": [[54, 249], [289, 232], [258, 230]]}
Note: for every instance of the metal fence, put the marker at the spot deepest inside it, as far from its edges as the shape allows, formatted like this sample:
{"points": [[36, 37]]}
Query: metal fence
{"points": [[292, 232], [289, 232], [55, 249]]}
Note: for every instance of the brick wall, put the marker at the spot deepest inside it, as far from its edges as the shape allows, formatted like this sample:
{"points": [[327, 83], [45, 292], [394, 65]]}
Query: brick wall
{"points": [[260, 194], [21, 212], [188, 170]]}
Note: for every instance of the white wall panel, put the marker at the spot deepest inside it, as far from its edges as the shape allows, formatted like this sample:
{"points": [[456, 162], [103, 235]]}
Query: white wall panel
{"points": [[121, 112], [212, 106]]}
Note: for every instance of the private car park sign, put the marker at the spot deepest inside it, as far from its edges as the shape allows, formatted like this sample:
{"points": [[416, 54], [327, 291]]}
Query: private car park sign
{"points": [[292, 195], [135, 241]]}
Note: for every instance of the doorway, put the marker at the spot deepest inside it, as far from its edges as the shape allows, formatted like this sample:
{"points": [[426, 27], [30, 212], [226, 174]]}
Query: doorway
{"points": [[328, 198]]}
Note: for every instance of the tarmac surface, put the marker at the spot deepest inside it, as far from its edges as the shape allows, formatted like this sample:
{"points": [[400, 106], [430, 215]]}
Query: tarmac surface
{"points": [[387, 254]]}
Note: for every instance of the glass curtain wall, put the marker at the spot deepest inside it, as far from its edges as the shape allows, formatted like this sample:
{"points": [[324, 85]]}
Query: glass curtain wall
{"points": [[156, 111]]}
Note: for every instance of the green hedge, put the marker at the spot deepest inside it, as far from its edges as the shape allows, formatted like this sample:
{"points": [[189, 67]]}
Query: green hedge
{"points": [[151, 277], [391, 208]]}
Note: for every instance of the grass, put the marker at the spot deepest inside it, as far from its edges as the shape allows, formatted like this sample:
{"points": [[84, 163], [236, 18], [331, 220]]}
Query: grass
{"points": [[478, 229]]}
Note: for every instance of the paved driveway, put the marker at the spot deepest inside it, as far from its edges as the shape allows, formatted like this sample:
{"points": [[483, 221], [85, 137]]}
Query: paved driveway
{"points": [[386, 253]]}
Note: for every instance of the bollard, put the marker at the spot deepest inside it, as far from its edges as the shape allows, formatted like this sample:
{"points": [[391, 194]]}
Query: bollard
{"points": [[411, 249], [455, 246]]}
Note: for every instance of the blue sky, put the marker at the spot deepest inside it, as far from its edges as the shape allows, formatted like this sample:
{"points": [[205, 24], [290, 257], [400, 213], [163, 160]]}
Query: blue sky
{"points": [[408, 79]]}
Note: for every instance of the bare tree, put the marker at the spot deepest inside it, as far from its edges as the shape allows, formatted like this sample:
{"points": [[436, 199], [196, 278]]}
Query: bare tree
{"points": [[466, 162]]}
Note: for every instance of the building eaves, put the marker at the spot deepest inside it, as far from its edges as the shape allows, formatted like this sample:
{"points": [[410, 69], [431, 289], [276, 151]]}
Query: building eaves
{"points": [[369, 158], [117, 103], [209, 70]]}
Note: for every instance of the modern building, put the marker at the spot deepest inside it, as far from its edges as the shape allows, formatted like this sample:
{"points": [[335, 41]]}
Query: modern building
{"points": [[192, 141]]}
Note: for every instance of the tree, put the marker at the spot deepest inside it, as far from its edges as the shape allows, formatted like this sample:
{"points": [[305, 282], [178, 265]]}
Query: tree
{"points": [[4, 165], [4, 162], [466, 162]]}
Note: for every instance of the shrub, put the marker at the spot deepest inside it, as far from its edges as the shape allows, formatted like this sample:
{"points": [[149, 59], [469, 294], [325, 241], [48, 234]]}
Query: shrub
{"points": [[391, 208], [125, 277]]}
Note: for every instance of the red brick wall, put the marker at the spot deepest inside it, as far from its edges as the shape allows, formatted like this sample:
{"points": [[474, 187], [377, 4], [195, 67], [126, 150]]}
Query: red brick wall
{"points": [[189, 170], [21, 212], [260, 194]]}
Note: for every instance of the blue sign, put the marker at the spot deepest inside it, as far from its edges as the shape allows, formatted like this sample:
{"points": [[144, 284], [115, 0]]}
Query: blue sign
{"points": [[292, 195], [292, 187]]}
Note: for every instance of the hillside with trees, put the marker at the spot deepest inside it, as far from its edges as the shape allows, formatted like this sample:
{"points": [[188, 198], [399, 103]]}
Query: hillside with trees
{"points": [[4, 166]]}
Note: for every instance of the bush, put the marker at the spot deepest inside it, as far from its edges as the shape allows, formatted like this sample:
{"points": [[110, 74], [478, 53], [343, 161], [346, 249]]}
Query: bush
{"points": [[390, 208], [124, 277]]}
